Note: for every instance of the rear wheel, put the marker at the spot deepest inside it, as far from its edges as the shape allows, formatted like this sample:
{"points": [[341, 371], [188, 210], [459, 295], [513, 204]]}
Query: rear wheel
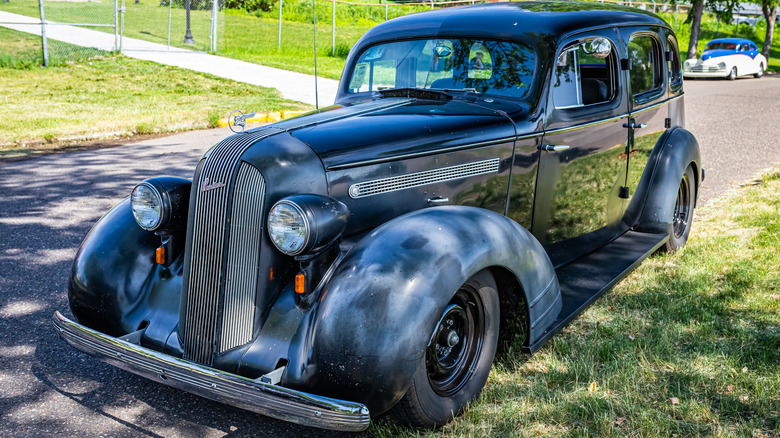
{"points": [[683, 212], [732, 74], [458, 358], [760, 71]]}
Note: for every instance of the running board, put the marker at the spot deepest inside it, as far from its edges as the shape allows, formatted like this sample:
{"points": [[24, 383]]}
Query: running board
{"points": [[586, 279]]}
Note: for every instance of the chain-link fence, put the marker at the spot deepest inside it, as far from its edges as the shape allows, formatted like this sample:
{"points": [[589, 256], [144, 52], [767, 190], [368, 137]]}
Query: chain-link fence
{"points": [[38, 32], [51, 31]]}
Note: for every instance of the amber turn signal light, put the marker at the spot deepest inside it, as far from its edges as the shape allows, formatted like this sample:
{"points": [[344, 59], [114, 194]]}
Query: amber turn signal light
{"points": [[160, 255], [300, 284]]}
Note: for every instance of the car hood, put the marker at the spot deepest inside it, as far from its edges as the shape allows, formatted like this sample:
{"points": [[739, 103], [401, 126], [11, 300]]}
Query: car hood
{"points": [[717, 53], [391, 128]]}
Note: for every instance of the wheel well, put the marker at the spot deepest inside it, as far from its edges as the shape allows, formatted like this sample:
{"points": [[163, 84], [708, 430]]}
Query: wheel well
{"points": [[513, 327], [697, 183]]}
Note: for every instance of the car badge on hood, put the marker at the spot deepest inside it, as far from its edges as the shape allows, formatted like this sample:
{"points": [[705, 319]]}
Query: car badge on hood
{"points": [[205, 187]]}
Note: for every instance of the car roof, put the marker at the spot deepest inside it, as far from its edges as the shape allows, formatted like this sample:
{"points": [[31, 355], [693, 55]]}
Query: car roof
{"points": [[731, 40], [508, 20]]}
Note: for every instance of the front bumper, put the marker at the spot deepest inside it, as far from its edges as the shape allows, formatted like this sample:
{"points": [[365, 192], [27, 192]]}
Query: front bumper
{"points": [[705, 71], [271, 400]]}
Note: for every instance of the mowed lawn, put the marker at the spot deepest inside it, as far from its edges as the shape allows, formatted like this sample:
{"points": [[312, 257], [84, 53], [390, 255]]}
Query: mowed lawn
{"points": [[115, 94], [687, 345]]}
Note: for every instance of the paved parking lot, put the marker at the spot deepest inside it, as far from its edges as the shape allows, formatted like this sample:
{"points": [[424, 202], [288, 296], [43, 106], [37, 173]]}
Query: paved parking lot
{"points": [[48, 204]]}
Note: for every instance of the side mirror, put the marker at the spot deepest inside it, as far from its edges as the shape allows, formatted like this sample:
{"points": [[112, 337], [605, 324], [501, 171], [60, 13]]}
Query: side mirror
{"points": [[599, 48]]}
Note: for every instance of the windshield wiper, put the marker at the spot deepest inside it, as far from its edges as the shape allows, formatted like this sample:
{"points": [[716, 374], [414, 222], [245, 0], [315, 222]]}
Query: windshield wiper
{"points": [[416, 93]]}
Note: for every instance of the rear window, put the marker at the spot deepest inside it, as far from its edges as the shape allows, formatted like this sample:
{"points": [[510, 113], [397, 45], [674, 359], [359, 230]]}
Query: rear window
{"points": [[483, 66]]}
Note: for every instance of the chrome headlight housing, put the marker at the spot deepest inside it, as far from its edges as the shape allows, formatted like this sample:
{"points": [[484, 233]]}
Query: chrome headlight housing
{"points": [[306, 224], [722, 65], [160, 204]]}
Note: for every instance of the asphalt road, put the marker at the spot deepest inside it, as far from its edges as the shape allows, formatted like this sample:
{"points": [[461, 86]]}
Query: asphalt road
{"points": [[49, 203]]}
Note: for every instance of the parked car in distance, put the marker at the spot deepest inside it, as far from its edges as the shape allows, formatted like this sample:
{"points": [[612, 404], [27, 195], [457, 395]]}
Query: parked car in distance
{"points": [[727, 58], [486, 170]]}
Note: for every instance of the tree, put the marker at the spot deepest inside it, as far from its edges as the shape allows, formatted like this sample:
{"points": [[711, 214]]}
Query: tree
{"points": [[725, 10], [769, 8]]}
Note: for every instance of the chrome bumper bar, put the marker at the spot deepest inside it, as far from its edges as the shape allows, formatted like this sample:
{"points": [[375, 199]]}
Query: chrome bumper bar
{"points": [[271, 400]]}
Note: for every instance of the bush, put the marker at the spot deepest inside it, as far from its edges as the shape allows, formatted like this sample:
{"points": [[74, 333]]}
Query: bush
{"points": [[251, 5]]}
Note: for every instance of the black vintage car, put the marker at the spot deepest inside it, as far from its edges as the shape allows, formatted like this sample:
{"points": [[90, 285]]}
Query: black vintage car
{"points": [[482, 166]]}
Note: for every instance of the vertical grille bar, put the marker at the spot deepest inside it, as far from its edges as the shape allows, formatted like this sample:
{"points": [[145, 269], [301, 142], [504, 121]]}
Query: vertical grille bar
{"points": [[243, 257], [201, 322]]}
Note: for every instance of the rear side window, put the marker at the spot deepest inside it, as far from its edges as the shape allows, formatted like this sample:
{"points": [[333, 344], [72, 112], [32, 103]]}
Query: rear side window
{"points": [[645, 56], [585, 74], [673, 65]]}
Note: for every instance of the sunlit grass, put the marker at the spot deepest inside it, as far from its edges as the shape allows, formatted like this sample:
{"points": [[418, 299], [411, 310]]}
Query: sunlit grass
{"points": [[687, 345], [118, 94]]}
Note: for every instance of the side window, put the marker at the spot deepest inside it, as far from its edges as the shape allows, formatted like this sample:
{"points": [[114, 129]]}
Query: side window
{"points": [[673, 65], [585, 74], [645, 55]]}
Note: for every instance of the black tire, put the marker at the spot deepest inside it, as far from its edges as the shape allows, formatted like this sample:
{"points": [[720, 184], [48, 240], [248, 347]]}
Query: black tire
{"points": [[452, 374], [760, 71], [732, 74], [683, 212]]}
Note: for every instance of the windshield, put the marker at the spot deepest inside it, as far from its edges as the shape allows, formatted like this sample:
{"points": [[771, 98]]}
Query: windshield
{"points": [[482, 66], [721, 45]]}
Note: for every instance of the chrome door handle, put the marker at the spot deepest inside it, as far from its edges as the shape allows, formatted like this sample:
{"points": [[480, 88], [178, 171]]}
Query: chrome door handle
{"points": [[635, 125], [554, 148], [438, 200]]}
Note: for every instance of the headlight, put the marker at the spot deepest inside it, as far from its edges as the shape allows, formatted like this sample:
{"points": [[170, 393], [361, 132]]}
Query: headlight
{"points": [[160, 204], [147, 205], [306, 224], [722, 65], [288, 228]]}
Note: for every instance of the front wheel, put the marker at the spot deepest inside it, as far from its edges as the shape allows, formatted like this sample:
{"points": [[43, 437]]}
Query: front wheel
{"points": [[458, 358], [683, 212], [760, 71], [732, 74]]}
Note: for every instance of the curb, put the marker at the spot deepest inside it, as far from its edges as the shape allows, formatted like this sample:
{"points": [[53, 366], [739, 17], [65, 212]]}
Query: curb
{"points": [[270, 117]]}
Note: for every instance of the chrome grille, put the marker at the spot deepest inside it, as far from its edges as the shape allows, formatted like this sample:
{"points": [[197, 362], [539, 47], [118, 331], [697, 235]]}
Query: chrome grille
{"points": [[205, 271], [243, 254], [385, 185]]}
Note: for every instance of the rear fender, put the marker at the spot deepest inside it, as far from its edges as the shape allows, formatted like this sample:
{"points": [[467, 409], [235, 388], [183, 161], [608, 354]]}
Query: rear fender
{"points": [[378, 311], [652, 206]]}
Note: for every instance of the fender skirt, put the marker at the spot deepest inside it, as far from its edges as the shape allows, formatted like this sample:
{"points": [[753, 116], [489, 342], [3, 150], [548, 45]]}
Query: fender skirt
{"points": [[652, 207], [377, 313]]}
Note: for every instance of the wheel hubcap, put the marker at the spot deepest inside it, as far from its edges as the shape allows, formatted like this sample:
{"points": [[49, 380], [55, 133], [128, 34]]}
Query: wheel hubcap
{"points": [[682, 209], [454, 350]]}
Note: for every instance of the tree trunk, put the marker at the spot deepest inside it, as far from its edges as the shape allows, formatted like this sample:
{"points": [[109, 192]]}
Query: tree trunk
{"points": [[696, 10], [770, 14]]}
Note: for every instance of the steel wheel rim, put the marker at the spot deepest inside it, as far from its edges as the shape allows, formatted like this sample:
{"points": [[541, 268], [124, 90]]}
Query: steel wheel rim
{"points": [[450, 365], [682, 208]]}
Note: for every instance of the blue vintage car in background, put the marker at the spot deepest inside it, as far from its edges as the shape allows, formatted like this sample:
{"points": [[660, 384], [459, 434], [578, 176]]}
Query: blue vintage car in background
{"points": [[727, 58]]}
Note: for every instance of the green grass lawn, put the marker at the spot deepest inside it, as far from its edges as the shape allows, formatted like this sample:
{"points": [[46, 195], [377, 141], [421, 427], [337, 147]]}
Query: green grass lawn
{"points": [[118, 94], [687, 345]]}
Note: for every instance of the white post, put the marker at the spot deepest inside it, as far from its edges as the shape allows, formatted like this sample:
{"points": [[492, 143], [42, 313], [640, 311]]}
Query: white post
{"points": [[122, 26], [333, 37], [279, 44], [316, 94], [170, 11], [385, 11], [214, 11], [431, 4], [116, 25], [44, 43]]}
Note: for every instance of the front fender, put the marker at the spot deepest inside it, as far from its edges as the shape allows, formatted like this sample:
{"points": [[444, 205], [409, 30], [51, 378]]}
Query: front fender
{"points": [[652, 207], [115, 279], [378, 311]]}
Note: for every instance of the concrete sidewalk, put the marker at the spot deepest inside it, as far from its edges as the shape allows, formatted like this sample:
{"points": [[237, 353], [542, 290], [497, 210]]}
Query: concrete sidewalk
{"points": [[295, 86]]}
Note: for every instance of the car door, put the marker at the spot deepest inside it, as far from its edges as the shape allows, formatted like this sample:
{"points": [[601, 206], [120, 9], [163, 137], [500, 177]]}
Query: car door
{"points": [[582, 166], [654, 91]]}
